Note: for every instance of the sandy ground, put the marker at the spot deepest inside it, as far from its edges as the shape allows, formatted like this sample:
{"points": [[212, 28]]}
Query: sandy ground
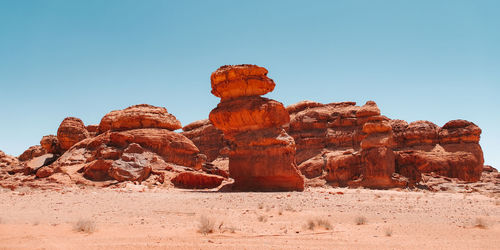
{"points": [[136, 217]]}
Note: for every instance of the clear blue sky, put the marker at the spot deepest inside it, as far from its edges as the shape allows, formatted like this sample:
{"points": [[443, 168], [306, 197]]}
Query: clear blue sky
{"points": [[419, 60]]}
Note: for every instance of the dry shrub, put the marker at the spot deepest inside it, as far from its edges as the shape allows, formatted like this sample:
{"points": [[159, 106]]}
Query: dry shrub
{"points": [[206, 225], [360, 220], [262, 218], [85, 226], [318, 223]]}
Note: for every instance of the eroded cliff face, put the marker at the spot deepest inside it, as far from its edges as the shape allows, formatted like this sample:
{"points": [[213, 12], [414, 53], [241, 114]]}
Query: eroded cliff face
{"points": [[262, 154]]}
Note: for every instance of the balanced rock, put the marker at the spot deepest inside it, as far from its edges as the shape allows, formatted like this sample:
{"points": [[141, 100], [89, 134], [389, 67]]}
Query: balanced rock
{"points": [[139, 116], [262, 154], [233, 81]]}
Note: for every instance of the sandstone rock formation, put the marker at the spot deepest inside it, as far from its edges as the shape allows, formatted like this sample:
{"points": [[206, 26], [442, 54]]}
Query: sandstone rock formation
{"points": [[71, 131], [139, 116], [32, 152], [209, 140], [133, 144], [262, 154], [196, 180]]}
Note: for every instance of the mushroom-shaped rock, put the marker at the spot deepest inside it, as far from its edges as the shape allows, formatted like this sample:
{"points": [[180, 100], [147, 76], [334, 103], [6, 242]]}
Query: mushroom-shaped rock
{"points": [[232, 81], [262, 155], [139, 116], [71, 131]]}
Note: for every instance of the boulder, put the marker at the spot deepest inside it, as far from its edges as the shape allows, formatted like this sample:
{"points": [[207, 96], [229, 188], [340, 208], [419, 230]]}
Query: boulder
{"points": [[234, 81], [70, 132], [196, 180], [51, 144], [137, 117], [32, 152]]}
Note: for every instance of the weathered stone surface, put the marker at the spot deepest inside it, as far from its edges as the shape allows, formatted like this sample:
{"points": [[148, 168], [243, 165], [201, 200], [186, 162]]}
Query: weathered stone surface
{"points": [[32, 152], [262, 154], [248, 113], [232, 81], [459, 131], [196, 180], [206, 137], [97, 170], [71, 131], [51, 144], [342, 167], [139, 116]]}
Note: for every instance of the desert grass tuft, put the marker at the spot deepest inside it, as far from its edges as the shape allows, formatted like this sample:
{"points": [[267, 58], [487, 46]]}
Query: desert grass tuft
{"points": [[262, 218], [312, 224], [360, 220], [85, 226], [206, 225]]}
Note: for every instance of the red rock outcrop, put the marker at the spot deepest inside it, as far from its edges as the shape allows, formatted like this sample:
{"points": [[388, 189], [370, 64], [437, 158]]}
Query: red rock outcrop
{"points": [[451, 151], [196, 180], [262, 155], [344, 144], [209, 140], [139, 116], [71, 131], [32, 152], [51, 144]]}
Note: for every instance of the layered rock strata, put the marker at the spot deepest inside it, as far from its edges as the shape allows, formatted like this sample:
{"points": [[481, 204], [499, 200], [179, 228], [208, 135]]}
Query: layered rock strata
{"points": [[262, 154]]}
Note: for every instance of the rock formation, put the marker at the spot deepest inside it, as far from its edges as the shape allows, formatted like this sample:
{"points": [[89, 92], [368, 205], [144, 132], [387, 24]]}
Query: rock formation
{"points": [[262, 154], [71, 131], [209, 140], [256, 141], [139, 116]]}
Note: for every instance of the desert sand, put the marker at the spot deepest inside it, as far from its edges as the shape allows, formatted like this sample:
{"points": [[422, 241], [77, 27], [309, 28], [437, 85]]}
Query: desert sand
{"points": [[137, 217]]}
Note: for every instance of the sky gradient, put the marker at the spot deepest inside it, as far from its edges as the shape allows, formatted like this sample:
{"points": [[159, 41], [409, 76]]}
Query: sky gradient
{"points": [[418, 60]]}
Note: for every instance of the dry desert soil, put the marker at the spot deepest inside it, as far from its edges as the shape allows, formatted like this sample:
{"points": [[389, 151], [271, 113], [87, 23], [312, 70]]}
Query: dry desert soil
{"points": [[137, 217]]}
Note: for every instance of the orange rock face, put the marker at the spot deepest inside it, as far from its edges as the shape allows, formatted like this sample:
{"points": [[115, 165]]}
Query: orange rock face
{"points": [[71, 131], [195, 180], [350, 145], [262, 155], [32, 152], [51, 144], [139, 116], [209, 140], [233, 81]]}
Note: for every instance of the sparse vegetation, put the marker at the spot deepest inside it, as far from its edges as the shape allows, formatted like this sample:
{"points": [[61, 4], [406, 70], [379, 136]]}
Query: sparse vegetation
{"points": [[262, 218], [261, 205], [481, 223], [360, 220], [318, 223], [85, 226], [388, 231], [206, 225]]}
